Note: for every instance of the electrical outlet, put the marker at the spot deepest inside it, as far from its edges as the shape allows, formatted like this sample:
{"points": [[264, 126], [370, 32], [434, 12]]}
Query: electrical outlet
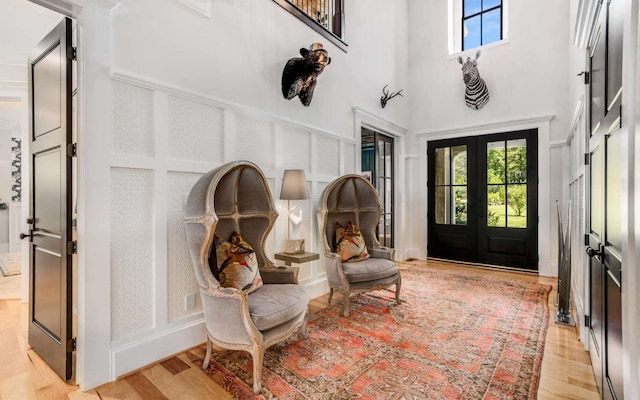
{"points": [[190, 301]]}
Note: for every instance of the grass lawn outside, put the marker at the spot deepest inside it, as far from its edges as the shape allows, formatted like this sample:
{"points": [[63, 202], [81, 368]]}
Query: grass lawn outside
{"points": [[514, 220]]}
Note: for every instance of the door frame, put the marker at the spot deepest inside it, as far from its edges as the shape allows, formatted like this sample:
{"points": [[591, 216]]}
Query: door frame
{"points": [[371, 121], [548, 262]]}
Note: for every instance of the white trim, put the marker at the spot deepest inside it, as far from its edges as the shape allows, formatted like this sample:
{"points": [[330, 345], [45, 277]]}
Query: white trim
{"points": [[584, 22], [577, 114], [490, 127], [363, 118], [369, 119], [148, 350], [557, 143], [543, 125], [174, 90], [19, 85], [200, 6]]}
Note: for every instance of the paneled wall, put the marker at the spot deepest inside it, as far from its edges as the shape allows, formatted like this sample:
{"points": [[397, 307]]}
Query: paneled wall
{"points": [[164, 138]]}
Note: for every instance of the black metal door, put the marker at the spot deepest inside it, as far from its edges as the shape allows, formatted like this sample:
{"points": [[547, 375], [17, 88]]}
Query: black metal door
{"points": [[508, 199], [452, 213], [50, 210], [605, 201], [483, 205]]}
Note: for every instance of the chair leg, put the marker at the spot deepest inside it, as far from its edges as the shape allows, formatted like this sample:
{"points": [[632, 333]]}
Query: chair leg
{"points": [[207, 357], [330, 295], [346, 304], [398, 286], [258, 357], [303, 329]]}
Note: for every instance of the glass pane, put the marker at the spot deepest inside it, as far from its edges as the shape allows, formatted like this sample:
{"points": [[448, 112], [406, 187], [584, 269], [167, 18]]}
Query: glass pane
{"points": [[471, 33], [614, 188], [442, 165], [443, 205], [487, 4], [459, 165], [517, 161], [517, 206], [495, 162], [460, 205], [381, 159], [491, 25], [387, 159], [597, 189], [496, 207], [471, 7]]}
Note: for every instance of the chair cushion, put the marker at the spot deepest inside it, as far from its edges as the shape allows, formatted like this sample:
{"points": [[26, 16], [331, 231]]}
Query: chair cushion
{"points": [[350, 244], [237, 266], [370, 269], [272, 305]]}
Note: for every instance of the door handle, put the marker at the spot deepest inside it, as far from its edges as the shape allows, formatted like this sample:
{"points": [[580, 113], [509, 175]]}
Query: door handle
{"points": [[30, 220], [22, 236], [593, 252]]}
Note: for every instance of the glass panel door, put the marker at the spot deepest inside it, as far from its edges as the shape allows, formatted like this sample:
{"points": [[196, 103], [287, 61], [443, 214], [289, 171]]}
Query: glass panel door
{"points": [[377, 164]]}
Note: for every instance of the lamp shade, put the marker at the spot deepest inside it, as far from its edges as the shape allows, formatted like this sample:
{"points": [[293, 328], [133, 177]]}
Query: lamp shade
{"points": [[294, 185]]}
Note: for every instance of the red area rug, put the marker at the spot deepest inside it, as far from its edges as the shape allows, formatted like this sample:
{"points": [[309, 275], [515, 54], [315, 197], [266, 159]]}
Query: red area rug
{"points": [[456, 335]]}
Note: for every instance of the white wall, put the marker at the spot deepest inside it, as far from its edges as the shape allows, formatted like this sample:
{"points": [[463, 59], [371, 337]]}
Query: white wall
{"points": [[526, 77], [190, 92]]}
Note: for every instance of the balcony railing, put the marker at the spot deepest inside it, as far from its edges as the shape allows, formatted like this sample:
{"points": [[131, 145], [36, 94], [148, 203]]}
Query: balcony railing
{"points": [[324, 16]]}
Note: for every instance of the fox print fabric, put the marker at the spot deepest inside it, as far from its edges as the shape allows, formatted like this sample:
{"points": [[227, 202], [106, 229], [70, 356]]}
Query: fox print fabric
{"points": [[237, 264], [350, 244]]}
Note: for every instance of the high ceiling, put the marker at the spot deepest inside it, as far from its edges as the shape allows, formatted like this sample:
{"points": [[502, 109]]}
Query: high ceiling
{"points": [[22, 25]]}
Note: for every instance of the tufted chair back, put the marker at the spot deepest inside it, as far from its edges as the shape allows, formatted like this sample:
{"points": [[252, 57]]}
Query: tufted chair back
{"points": [[350, 197]]}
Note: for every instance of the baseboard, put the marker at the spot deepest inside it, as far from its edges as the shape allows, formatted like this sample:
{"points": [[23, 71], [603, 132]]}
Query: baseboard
{"points": [[317, 287], [411, 253], [578, 317], [146, 351]]}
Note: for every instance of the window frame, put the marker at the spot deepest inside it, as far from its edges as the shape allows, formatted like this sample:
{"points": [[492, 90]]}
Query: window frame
{"points": [[456, 30], [480, 14], [313, 24]]}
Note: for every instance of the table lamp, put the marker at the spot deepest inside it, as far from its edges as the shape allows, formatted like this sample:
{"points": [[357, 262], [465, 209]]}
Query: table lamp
{"points": [[294, 187]]}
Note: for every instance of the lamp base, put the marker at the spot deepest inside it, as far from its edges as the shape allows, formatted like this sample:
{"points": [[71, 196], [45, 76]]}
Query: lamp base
{"points": [[294, 246]]}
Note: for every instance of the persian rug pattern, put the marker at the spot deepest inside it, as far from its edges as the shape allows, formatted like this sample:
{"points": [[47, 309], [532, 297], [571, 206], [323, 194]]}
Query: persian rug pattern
{"points": [[456, 335]]}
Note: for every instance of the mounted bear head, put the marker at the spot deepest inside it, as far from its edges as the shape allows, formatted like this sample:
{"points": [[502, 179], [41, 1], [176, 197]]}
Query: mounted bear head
{"points": [[300, 73]]}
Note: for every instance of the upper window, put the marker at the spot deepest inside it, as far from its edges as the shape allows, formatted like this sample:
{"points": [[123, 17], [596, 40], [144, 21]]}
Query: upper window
{"points": [[476, 23], [481, 22], [324, 16]]}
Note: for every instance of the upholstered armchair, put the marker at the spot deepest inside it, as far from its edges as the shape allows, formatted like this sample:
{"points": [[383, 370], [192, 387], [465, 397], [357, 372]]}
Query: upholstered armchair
{"points": [[236, 197], [353, 198]]}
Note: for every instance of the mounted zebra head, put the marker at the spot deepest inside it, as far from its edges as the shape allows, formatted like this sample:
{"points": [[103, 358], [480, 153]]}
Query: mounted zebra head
{"points": [[476, 93], [469, 68]]}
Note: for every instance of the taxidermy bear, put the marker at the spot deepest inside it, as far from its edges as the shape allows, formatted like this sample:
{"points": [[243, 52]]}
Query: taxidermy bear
{"points": [[300, 73]]}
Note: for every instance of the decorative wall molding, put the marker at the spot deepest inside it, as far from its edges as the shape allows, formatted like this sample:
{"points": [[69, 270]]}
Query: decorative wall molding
{"points": [[201, 6], [558, 143], [577, 116], [585, 17], [137, 80], [19, 85], [491, 127], [368, 119]]}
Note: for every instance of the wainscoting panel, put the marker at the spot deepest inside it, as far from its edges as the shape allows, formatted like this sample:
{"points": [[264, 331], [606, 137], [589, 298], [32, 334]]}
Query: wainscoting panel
{"points": [[132, 120], [180, 279], [195, 131], [132, 244], [164, 139]]}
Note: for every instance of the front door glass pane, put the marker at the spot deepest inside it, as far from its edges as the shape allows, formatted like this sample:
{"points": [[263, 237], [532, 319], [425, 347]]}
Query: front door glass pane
{"points": [[517, 206], [495, 162], [459, 154], [442, 166], [451, 185], [517, 161], [460, 205], [496, 212], [443, 215]]}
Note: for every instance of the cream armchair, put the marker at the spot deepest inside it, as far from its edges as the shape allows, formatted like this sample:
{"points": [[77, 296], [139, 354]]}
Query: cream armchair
{"points": [[353, 198], [236, 197]]}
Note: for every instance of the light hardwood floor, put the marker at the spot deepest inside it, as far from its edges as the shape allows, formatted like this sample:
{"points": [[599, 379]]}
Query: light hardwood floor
{"points": [[566, 368]]}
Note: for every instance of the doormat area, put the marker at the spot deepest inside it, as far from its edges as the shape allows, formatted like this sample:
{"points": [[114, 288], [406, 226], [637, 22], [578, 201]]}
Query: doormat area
{"points": [[10, 264]]}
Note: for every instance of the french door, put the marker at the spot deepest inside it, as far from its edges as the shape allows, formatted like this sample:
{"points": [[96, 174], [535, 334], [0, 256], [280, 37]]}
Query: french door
{"points": [[605, 202], [377, 165], [483, 205]]}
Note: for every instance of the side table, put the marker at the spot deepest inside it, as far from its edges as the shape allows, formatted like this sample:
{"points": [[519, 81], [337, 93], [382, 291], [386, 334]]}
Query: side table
{"points": [[296, 258]]}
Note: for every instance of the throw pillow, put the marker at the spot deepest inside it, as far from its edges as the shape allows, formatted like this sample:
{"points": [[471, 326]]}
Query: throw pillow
{"points": [[350, 243], [237, 264]]}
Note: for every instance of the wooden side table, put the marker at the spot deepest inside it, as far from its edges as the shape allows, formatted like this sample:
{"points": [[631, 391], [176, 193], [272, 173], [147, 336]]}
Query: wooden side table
{"points": [[296, 258]]}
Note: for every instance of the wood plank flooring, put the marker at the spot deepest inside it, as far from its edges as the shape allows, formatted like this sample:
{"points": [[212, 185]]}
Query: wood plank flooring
{"points": [[566, 368]]}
